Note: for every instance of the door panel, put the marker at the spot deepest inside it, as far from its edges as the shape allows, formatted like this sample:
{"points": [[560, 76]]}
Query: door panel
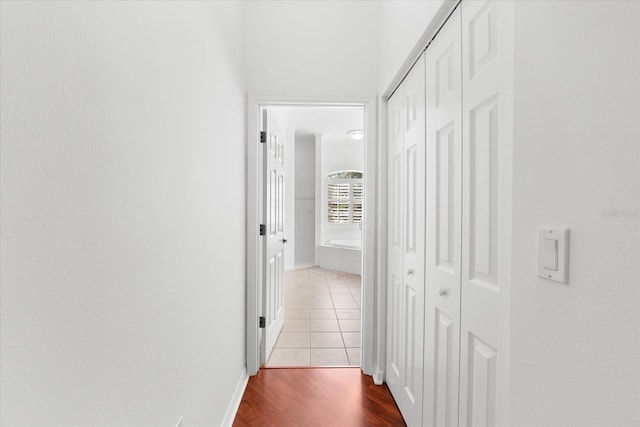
{"points": [[484, 165], [395, 331], [487, 33], [443, 230], [445, 197], [411, 199], [414, 152], [273, 273], [394, 368], [481, 383], [444, 370], [406, 245]]}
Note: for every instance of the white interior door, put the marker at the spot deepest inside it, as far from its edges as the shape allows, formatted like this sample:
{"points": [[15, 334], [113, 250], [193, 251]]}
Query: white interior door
{"points": [[406, 249], [274, 239], [487, 51], [443, 235], [394, 365]]}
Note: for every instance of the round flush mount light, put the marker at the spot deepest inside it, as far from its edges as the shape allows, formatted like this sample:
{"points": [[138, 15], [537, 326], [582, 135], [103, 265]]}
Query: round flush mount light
{"points": [[355, 134]]}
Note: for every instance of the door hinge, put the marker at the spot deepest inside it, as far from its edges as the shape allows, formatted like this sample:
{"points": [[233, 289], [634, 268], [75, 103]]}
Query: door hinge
{"points": [[263, 137], [263, 322], [263, 230]]}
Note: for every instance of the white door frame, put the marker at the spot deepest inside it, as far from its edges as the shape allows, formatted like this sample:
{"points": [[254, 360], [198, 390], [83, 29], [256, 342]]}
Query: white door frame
{"points": [[372, 286]]}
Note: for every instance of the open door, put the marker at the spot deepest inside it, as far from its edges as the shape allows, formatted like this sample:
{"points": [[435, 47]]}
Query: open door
{"points": [[273, 235]]}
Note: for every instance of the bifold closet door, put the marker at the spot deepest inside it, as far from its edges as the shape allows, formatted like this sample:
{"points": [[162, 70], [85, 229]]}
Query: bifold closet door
{"points": [[487, 111], [393, 367], [444, 223], [405, 281]]}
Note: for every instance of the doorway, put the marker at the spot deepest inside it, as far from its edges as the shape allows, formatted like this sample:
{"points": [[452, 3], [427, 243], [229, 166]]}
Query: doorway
{"points": [[323, 159], [329, 280]]}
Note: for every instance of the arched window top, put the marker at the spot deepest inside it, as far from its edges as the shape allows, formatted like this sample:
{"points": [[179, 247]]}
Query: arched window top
{"points": [[347, 174]]}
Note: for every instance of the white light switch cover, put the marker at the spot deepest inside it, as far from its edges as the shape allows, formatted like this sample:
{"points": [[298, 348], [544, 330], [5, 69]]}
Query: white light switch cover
{"points": [[553, 251]]}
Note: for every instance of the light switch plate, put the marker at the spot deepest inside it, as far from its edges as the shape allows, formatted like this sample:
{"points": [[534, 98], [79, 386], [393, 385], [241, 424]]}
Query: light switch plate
{"points": [[545, 255]]}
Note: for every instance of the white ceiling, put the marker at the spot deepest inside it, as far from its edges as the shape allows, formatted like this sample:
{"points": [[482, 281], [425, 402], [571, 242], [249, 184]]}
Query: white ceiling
{"points": [[332, 122]]}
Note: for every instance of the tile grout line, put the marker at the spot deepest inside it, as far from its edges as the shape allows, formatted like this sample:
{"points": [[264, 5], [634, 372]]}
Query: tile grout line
{"points": [[308, 308]]}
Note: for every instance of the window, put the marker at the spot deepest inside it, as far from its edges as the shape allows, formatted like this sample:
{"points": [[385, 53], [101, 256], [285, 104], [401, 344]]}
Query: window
{"points": [[344, 197]]}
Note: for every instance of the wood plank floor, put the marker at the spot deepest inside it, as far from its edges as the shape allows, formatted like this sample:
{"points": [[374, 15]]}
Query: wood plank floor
{"points": [[324, 397]]}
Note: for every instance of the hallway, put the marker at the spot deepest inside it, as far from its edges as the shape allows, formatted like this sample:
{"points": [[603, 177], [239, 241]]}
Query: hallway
{"points": [[316, 397], [129, 229]]}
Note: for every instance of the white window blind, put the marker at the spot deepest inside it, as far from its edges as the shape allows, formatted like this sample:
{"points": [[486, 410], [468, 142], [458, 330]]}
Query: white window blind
{"points": [[344, 197], [357, 202], [339, 198]]}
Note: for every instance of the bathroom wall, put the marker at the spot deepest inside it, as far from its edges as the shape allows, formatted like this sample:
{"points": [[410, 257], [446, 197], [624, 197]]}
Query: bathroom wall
{"points": [[305, 196], [337, 155]]}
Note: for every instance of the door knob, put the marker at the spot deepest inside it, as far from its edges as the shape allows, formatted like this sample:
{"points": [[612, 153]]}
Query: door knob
{"points": [[284, 240], [442, 292], [410, 271]]}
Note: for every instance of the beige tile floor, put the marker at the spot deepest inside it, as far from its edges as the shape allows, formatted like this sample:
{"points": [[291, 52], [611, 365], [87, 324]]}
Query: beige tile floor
{"points": [[322, 320]]}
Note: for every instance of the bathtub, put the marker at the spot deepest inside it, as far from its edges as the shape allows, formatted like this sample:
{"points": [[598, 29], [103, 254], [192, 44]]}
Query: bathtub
{"points": [[341, 255]]}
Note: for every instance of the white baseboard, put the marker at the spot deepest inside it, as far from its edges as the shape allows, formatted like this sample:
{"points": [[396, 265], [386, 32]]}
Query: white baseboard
{"points": [[378, 378], [234, 404]]}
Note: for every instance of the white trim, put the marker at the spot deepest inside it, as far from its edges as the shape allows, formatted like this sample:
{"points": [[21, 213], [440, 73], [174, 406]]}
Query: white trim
{"points": [[236, 398], [371, 291], [369, 311], [378, 378], [380, 306], [253, 239]]}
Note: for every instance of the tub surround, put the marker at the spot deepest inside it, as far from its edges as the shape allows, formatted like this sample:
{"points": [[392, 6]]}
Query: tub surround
{"points": [[345, 243], [341, 255]]}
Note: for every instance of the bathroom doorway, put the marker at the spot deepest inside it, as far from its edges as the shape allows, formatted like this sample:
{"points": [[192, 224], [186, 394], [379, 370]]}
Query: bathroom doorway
{"points": [[323, 207], [325, 226]]}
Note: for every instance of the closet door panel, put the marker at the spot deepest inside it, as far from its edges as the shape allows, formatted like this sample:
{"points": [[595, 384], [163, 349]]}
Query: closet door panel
{"points": [[405, 316], [487, 47], [394, 365], [411, 402], [443, 225]]}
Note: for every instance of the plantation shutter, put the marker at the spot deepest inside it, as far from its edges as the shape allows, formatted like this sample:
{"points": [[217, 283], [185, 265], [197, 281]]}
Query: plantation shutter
{"points": [[338, 206], [357, 202], [344, 197]]}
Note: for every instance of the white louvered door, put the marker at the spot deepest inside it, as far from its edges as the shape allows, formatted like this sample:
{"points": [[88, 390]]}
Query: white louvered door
{"points": [[405, 292], [443, 239]]}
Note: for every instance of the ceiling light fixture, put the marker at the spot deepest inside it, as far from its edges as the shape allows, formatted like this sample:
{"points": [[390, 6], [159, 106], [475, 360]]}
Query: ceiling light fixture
{"points": [[355, 134]]}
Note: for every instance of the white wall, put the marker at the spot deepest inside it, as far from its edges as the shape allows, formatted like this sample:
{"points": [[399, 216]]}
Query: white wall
{"points": [[123, 272], [401, 23], [305, 192], [576, 348], [338, 155], [311, 48]]}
